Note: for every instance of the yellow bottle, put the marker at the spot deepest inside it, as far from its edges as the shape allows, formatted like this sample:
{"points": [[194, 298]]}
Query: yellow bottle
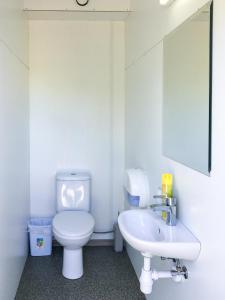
{"points": [[167, 188]]}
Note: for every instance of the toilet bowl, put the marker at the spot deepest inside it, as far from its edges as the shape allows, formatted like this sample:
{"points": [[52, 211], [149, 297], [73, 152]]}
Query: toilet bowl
{"points": [[73, 229]]}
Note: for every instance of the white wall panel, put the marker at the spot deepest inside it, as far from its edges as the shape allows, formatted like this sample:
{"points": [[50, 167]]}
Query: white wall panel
{"points": [[14, 29], [14, 171], [71, 106]]}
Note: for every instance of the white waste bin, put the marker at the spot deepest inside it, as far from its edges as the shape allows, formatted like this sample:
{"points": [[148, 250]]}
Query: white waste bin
{"points": [[40, 230]]}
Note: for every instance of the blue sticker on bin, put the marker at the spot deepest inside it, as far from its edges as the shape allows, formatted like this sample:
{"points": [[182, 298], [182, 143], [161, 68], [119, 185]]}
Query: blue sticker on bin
{"points": [[40, 243]]}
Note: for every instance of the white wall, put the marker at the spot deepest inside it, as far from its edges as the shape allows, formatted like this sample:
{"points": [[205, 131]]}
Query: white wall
{"points": [[77, 111], [14, 145], [14, 29], [200, 198]]}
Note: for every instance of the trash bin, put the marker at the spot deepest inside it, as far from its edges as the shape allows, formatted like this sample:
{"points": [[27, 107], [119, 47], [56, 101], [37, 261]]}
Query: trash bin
{"points": [[40, 230]]}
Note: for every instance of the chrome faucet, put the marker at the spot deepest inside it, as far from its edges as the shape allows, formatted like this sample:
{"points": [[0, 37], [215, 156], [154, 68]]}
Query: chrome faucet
{"points": [[169, 207]]}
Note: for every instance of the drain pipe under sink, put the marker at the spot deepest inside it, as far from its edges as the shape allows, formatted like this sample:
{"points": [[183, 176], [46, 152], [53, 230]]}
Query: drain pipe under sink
{"points": [[178, 274]]}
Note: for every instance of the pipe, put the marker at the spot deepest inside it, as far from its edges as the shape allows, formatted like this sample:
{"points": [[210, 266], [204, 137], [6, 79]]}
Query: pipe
{"points": [[148, 276], [160, 275], [147, 264]]}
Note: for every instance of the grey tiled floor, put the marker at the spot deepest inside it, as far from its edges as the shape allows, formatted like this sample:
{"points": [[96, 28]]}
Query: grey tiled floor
{"points": [[107, 276]]}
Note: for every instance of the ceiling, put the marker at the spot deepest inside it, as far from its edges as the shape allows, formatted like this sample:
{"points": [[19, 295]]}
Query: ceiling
{"points": [[69, 10]]}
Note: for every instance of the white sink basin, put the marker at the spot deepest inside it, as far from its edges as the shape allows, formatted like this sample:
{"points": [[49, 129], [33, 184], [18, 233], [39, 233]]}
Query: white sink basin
{"points": [[149, 234]]}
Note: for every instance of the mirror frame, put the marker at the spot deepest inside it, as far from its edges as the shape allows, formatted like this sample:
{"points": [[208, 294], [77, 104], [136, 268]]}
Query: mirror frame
{"points": [[210, 86]]}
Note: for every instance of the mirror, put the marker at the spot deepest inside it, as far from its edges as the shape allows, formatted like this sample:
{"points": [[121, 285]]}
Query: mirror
{"points": [[187, 92]]}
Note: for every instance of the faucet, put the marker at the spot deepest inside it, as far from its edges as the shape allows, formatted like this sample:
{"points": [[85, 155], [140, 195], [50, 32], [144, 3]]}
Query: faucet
{"points": [[169, 207]]}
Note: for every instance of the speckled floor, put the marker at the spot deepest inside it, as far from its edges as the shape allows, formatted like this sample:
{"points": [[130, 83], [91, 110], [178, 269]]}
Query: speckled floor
{"points": [[107, 276]]}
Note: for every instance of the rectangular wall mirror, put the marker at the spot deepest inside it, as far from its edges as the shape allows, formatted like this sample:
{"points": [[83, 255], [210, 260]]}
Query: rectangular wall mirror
{"points": [[187, 92]]}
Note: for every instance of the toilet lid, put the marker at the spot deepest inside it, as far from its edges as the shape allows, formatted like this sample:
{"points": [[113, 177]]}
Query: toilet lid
{"points": [[73, 223]]}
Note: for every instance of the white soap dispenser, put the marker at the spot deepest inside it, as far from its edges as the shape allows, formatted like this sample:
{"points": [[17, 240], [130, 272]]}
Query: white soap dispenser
{"points": [[137, 188]]}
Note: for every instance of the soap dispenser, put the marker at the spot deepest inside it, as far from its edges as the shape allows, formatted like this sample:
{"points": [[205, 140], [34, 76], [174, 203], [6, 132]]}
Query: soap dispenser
{"points": [[137, 188], [167, 188]]}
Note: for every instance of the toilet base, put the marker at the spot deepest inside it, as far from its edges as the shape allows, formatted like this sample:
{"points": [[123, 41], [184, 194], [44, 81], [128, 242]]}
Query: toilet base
{"points": [[72, 263]]}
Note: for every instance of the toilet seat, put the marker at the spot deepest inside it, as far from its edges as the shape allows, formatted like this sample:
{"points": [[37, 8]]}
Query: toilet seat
{"points": [[73, 224]]}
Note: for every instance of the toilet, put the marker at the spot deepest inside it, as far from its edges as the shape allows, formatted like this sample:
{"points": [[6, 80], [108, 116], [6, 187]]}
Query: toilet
{"points": [[73, 224]]}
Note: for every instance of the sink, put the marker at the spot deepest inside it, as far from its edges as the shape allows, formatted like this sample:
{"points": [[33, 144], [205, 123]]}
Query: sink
{"points": [[145, 231]]}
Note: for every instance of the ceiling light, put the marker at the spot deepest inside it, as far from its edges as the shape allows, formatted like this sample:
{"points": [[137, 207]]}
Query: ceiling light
{"points": [[165, 2]]}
